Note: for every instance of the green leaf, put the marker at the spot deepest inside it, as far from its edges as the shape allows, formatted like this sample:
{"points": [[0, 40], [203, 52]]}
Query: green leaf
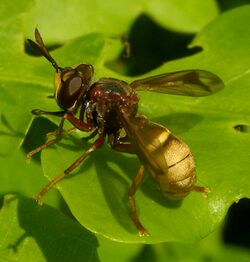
{"points": [[183, 15], [117, 251], [32, 233], [82, 17], [23, 178], [209, 249], [11, 9], [97, 192]]}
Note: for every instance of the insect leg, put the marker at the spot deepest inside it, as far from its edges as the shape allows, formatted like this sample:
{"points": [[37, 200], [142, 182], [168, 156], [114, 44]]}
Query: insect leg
{"points": [[125, 44], [135, 184], [39, 112], [82, 112], [93, 134], [77, 123], [203, 190], [58, 134], [97, 144]]}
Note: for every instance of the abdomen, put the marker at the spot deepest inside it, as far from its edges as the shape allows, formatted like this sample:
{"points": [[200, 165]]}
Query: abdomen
{"points": [[167, 159], [180, 177]]}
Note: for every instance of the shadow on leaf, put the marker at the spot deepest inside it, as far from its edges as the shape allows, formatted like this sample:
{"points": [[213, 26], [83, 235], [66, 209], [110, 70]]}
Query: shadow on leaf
{"points": [[58, 237], [151, 46]]}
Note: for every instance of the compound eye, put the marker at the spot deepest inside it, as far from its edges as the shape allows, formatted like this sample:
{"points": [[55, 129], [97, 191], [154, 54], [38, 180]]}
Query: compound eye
{"points": [[86, 71], [73, 86], [70, 92], [71, 83]]}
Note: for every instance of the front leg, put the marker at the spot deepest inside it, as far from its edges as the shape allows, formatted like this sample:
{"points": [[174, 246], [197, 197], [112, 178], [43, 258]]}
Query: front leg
{"points": [[39, 112], [59, 134], [78, 123]]}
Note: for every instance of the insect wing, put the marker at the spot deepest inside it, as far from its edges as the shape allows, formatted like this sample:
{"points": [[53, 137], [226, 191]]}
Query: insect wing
{"points": [[148, 139], [188, 83]]}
